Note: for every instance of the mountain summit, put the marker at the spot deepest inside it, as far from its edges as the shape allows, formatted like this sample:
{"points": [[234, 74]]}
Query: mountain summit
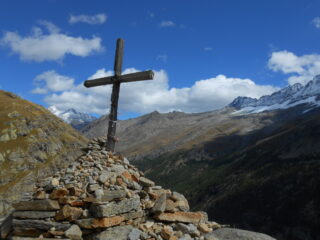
{"points": [[101, 196], [73, 117], [287, 97]]}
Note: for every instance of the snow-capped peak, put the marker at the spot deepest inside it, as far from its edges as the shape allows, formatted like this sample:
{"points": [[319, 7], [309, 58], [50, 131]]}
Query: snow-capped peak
{"points": [[72, 116], [286, 97]]}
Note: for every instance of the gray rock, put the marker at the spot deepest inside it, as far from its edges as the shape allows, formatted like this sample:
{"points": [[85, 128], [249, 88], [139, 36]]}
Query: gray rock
{"points": [[146, 182], [133, 215], [118, 169], [90, 180], [134, 185], [185, 237], [74, 233], [98, 193], [33, 214], [126, 161], [5, 226], [93, 187], [113, 208], [134, 234], [186, 228], [40, 224], [37, 205], [119, 233], [36, 238], [236, 234], [104, 176], [112, 195], [160, 204]]}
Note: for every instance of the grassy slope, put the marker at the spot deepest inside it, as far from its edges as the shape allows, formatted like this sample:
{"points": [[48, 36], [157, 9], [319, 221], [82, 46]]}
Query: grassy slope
{"points": [[39, 142]]}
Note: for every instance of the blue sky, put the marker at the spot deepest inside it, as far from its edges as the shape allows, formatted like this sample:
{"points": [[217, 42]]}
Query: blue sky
{"points": [[204, 53]]}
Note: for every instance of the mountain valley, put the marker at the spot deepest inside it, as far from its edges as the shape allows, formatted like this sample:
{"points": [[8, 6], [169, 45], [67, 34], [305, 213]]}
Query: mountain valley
{"points": [[253, 164]]}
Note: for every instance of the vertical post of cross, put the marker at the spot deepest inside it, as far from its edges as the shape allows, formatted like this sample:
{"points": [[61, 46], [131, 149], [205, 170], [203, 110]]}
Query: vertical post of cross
{"points": [[115, 96], [115, 81]]}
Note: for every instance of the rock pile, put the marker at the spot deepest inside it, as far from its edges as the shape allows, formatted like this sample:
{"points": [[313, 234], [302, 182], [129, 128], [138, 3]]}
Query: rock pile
{"points": [[102, 196]]}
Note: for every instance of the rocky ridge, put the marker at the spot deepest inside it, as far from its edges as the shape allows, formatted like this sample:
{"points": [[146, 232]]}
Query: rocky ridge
{"points": [[33, 142], [102, 196], [284, 98]]}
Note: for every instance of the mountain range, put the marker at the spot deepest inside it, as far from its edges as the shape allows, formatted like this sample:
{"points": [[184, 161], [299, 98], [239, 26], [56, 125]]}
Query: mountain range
{"points": [[287, 97], [253, 163]]}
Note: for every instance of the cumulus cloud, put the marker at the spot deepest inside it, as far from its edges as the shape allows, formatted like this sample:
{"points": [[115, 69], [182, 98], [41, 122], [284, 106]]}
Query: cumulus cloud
{"points": [[95, 19], [167, 23], [53, 45], [146, 96], [51, 81], [301, 68], [316, 22]]}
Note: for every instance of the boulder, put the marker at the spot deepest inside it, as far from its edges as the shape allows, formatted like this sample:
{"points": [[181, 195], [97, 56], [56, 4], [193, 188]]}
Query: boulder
{"points": [[235, 234]]}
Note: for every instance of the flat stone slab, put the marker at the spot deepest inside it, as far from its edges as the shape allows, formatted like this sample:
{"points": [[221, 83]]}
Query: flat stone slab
{"points": [[119, 233], [37, 205], [112, 195], [33, 214], [36, 238], [145, 182], [40, 224], [184, 217], [133, 215], [115, 208], [92, 223], [233, 233]]}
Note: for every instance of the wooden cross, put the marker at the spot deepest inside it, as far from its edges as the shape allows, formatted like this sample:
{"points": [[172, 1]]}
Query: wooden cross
{"points": [[116, 80]]}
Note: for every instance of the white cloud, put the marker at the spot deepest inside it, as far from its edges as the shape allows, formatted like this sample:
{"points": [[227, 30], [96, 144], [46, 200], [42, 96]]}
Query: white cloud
{"points": [[50, 26], [316, 22], [147, 96], [95, 19], [208, 49], [51, 81], [301, 68], [167, 24], [54, 45]]}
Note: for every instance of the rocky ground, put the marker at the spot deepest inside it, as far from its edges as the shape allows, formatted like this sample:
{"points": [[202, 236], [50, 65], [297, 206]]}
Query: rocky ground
{"points": [[102, 196]]}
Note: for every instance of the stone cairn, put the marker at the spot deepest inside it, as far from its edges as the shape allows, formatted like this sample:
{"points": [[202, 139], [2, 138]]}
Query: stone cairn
{"points": [[101, 196]]}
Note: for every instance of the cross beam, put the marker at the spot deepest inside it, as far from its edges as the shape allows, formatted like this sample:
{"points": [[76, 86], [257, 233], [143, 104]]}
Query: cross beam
{"points": [[115, 81]]}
